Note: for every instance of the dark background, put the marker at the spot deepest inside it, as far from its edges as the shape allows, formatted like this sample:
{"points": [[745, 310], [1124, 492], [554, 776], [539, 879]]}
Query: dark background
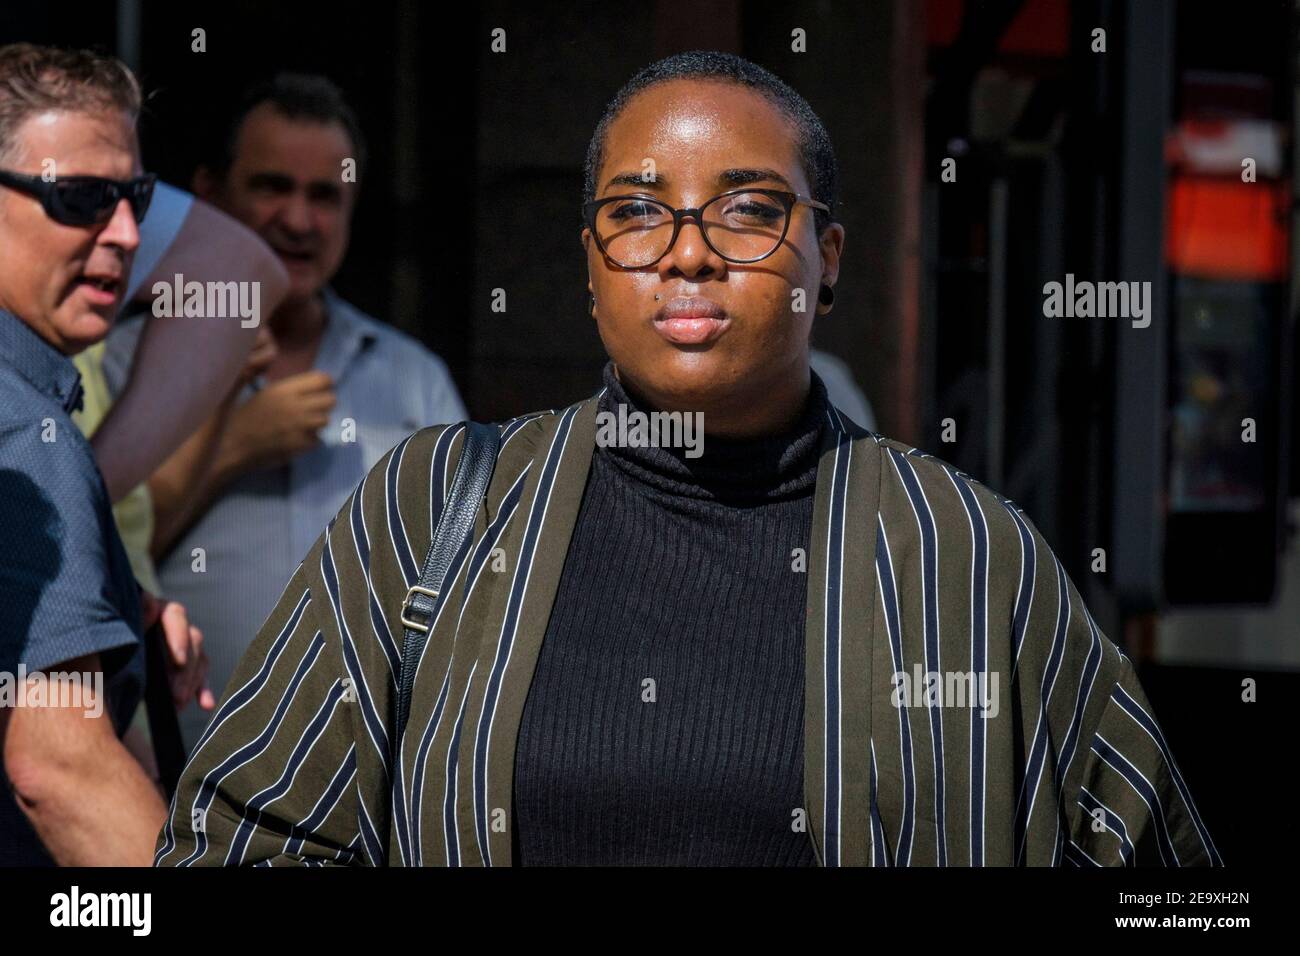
{"points": [[474, 183]]}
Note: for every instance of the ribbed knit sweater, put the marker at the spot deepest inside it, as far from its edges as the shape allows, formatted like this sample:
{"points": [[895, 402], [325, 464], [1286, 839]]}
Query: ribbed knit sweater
{"points": [[664, 724]]}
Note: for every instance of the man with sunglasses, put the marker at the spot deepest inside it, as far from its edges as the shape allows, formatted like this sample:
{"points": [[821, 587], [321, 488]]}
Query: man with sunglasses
{"points": [[72, 196]]}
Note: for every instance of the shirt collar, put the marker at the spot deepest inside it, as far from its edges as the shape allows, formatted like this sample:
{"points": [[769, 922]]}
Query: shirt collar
{"points": [[48, 370], [346, 334]]}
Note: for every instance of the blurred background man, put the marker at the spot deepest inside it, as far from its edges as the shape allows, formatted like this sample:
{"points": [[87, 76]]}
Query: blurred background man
{"points": [[328, 393]]}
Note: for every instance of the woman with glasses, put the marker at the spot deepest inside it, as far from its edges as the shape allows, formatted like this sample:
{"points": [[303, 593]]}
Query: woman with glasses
{"points": [[798, 643]]}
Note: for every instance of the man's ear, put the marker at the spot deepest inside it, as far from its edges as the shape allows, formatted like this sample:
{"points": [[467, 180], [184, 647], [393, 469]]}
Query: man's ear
{"points": [[203, 183]]}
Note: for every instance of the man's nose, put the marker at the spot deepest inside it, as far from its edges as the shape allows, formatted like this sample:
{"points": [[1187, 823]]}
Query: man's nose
{"points": [[295, 215], [122, 230]]}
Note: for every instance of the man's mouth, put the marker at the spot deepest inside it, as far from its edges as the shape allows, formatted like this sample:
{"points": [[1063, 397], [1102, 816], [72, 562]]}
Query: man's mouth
{"points": [[100, 289], [108, 285]]}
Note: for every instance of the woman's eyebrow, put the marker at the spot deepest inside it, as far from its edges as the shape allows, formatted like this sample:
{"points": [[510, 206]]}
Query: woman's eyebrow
{"points": [[636, 180], [743, 177]]}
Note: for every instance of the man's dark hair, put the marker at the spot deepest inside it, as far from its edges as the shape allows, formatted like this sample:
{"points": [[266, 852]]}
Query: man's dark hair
{"points": [[296, 96], [815, 149]]}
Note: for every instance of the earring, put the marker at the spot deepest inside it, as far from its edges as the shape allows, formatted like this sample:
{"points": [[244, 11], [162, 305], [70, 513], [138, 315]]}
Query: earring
{"points": [[826, 295], [591, 309]]}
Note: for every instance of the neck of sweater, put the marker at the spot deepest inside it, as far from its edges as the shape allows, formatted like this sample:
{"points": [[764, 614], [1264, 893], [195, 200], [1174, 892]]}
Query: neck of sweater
{"points": [[730, 471]]}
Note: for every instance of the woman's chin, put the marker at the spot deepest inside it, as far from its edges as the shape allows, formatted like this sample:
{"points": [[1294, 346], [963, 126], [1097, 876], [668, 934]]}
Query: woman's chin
{"points": [[683, 382]]}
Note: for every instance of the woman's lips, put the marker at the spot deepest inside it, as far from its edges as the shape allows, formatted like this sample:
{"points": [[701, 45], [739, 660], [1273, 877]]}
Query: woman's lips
{"points": [[691, 330], [691, 321]]}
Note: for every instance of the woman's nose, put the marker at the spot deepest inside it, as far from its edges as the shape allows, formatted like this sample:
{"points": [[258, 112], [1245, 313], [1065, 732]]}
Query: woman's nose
{"points": [[690, 254]]}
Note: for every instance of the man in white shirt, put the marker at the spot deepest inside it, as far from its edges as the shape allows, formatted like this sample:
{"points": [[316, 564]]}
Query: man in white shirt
{"points": [[247, 495]]}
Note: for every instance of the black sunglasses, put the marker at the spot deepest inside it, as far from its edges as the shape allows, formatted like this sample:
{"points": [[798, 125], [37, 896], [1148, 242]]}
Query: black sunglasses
{"points": [[84, 200]]}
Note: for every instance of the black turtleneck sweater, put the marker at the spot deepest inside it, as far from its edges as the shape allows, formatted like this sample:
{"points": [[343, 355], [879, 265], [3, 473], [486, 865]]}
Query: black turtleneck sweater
{"points": [[664, 724]]}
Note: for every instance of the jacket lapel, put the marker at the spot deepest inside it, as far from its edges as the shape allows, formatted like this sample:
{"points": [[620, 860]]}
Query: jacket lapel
{"points": [[838, 678], [552, 497]]}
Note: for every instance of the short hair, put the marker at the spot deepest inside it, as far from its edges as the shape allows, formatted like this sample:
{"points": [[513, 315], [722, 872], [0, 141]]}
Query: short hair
{"points": [[815, 148], [36, 79], [297, 96]]}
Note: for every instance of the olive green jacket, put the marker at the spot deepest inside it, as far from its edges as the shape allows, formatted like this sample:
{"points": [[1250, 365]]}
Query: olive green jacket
{"points": [[961, 707]]}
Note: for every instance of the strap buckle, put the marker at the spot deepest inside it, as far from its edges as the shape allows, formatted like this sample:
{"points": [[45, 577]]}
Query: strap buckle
{"points": [[423, 628]]}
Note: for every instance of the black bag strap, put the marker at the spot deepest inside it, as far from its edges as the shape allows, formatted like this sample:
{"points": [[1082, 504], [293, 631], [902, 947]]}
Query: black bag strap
{"points": [[478, 458], [164, 725]]}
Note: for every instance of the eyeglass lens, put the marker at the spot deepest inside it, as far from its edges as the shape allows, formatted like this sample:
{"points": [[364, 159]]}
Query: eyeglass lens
{"points": [[741, 226]]}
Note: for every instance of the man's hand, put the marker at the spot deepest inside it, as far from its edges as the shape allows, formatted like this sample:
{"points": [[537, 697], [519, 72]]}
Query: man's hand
{"points": [[187, 664], [282, 420], [259, 359]]}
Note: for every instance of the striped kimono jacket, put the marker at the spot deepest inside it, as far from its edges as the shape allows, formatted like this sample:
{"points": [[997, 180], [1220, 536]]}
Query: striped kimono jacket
{"points": [[913, 569]]}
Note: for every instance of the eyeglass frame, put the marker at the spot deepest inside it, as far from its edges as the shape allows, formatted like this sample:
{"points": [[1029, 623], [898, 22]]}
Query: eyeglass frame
{"points": [[788, 199], [47, 193]]}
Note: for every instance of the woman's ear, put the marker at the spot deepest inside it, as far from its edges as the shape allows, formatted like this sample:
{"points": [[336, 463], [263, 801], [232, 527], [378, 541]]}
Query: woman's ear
{"points": [[831, 245]]}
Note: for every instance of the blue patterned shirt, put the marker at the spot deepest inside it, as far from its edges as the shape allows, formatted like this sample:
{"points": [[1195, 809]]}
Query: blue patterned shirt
{"points": [[66, 587]]}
